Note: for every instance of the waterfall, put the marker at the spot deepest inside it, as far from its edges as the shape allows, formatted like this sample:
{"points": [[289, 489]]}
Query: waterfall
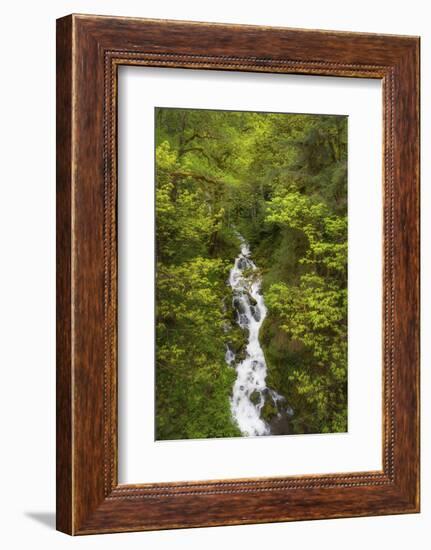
{"points": [[249, 390]]}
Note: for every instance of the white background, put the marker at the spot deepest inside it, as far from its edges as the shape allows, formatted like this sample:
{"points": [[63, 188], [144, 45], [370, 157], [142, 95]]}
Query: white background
{"points": [[27, 119], [141, 458]]}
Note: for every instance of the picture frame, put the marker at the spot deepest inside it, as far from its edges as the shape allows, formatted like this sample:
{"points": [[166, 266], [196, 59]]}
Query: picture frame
{"points": [[89, 51]]}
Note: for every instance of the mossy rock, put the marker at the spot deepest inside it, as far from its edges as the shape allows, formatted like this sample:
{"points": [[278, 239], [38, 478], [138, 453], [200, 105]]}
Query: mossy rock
{"points": [[247, 272], [238, 342], [241, 355], [269, 410], [255, 397], [252, 301], [238, 305]]}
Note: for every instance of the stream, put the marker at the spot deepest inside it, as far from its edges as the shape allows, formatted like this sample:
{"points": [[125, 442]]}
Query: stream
{"points": [[250, 391]]}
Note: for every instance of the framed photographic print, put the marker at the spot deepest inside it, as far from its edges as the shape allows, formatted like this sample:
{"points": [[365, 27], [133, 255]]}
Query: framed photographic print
{"points": [[237, 274]]}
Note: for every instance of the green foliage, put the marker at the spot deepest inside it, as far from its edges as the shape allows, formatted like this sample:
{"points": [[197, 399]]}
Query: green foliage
{"points": [[310, 306], [281, 181], [192, 378]]}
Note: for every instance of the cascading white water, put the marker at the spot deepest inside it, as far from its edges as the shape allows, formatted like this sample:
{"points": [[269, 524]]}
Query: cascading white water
{"points": [[251, 372]]}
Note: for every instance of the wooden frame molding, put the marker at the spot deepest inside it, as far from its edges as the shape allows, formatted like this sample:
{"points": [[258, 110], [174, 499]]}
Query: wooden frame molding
{"points": [[89, 51]]}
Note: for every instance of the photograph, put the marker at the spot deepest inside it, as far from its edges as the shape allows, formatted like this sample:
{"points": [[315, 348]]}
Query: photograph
{"points": [[251, 273], [215, 272]]}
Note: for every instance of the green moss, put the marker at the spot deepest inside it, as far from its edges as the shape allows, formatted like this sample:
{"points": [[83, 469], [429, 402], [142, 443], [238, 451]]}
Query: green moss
{"points": [[255, 397], [237, 338], [269, 410]]}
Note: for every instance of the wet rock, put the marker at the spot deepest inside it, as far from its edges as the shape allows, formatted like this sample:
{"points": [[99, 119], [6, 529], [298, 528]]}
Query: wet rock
{"points": [[239, 305], [252, 301], [289, 411], [229, 356], [255, 397], [241, 354], [255, 311], [280, 424], [269, 410], [242, 263], [243, 320]]}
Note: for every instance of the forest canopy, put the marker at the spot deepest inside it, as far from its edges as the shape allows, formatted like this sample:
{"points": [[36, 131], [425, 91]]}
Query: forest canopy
{"points": [[280, 181]]}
